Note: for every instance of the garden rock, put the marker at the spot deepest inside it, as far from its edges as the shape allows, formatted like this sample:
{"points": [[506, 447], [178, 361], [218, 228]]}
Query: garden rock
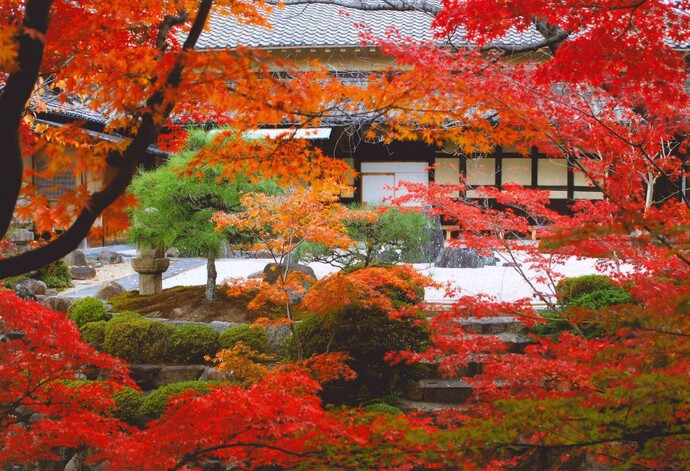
{"points": [[108, 257], [452, 257], [58, 303], [178, 374], [214, 374], [172, 252], [220, 326], [23, 291], [109, 289], [75, 258], [272, 271], [51, 292], [82, 272], [38, 287], [145, 375], [277, 338]]}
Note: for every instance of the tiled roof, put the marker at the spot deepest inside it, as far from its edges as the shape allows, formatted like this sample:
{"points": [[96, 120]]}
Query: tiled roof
{"points": [[320, 25], [71, 109]]}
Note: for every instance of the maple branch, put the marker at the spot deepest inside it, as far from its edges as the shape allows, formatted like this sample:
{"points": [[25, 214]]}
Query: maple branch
{"points": [[192, 457], [126, 165], [13, 101], [551, 42], [432, 8]]}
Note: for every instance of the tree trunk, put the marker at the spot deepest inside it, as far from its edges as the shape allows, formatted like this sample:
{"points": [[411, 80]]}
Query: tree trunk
{"points": [[211, 275]]}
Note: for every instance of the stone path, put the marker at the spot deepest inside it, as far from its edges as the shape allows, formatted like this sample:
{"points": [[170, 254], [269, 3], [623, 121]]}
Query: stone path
{"points": [[131, 282]]}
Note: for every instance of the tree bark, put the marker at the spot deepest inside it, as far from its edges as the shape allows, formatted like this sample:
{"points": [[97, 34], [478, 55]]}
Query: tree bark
{"points": [[211, 275], [13, 101], [157, 112]]}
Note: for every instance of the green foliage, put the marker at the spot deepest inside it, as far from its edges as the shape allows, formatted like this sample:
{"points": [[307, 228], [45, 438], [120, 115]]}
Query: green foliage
{"points": [[367, 334], [602, 298], [189, 344], [93, 333], [56, 275], [138, 340], [125, 316], [253, 337], [154, 404], [128, 402], [12, 282], [557, 321], [86, 310], [569, 289], [383, 408], [176, 210], [394, 236]]}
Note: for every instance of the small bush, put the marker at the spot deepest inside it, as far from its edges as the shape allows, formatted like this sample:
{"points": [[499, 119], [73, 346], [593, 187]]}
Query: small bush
{"points": [[93, 333], [569, 289], [12, 282], [189, 344], [367, 335], [155, 403], [602, 298], [56, 275], [253, 337], [138, 340], [128, 402], [87, 310]]}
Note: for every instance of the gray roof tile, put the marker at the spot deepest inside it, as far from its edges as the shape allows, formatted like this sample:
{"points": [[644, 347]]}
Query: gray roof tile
{"points": [[320, 25]]}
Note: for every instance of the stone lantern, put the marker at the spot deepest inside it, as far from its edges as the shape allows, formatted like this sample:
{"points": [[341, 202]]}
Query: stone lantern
{"points": [[150, 263]]}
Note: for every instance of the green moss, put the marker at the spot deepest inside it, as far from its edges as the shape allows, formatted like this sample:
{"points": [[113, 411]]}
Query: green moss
{"points": [[93, 333], [138, 340], [87, 310], [254, 337], [383, 408], [189, 344]]}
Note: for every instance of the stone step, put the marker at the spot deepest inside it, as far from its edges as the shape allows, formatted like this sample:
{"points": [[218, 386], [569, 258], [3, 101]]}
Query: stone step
{"points": [[442, 391], [492, 325], [407, 406]]}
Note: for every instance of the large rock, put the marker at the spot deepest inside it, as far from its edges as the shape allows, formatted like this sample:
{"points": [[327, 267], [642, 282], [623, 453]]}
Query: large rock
{"points": [[109, 289], [58, 303], [75, 258], [272, 271], [82, 272], [24, 292], [460, 258], [38, 287], [108, 257]]}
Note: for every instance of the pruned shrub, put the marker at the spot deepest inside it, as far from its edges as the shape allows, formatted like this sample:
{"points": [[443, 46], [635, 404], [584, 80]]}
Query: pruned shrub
{"points": [[189, 344], [93, 333], [87, 310], [253, 337], [138, 340], [128, 403], [154, 404], [602, 298], [569, 289], [367, 334], [125, 316]]}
